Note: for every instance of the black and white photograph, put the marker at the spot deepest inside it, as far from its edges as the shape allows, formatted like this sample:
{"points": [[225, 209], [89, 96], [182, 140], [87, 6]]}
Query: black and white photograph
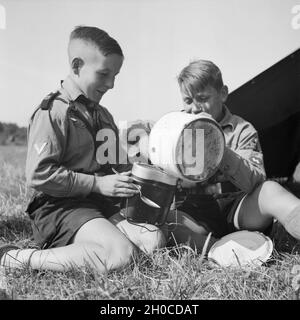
{"points": [[149, 153]]}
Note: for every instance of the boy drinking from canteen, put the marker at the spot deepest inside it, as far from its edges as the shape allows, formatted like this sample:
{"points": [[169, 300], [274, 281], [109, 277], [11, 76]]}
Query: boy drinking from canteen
{"points": [[253, 203]]}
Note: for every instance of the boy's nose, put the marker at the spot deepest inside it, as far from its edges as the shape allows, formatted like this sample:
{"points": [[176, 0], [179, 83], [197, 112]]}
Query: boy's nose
{"points": [[110, 83], [196, 108]]}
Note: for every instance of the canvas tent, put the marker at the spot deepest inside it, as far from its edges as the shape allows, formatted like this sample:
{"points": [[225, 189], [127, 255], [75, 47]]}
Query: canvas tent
{"points": [[271, 102]]}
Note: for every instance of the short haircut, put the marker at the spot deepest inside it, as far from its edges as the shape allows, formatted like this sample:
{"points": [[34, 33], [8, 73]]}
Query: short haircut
{"points": [[100, 38], [198, 75]]}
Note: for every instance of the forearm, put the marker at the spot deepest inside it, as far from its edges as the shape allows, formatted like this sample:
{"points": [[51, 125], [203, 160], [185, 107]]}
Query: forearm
{"points": [[61, 182], [241, 171]]}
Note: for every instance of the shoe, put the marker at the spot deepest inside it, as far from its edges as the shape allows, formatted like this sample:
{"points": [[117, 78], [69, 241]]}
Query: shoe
{"points": [[4, 295], [3, 286], [7, 247]]}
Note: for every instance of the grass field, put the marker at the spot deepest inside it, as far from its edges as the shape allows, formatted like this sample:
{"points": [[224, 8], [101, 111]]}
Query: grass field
{"points": [[170, 273]]}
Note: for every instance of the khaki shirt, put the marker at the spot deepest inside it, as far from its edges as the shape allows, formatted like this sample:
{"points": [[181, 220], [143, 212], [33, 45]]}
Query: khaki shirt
{"points": [[61, 156], [242, 164]]}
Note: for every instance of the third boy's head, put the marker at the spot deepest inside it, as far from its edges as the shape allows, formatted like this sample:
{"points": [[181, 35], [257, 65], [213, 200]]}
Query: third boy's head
{"points": [[202, 88], [95, 60]]}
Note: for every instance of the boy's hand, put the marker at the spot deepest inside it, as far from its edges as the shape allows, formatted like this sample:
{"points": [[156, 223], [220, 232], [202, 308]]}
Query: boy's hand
{"points": [[115, 185]]}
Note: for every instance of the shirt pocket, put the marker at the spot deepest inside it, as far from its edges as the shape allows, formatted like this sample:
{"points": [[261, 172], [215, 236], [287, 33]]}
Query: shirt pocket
{"points": [[77, 122], [80, 139]]}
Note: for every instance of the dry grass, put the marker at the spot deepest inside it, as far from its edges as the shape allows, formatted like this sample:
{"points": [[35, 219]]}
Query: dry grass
{"points": [[170, 273]]}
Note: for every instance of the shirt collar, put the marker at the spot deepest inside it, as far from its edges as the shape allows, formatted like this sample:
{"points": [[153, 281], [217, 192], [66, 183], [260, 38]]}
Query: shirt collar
{"points": [[71, 88], [227, 118], [74, 93]]}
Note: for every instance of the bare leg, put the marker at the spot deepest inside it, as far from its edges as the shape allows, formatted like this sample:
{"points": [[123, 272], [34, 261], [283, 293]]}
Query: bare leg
{"points": [[270, 200], [97, 243], [146, 237]]}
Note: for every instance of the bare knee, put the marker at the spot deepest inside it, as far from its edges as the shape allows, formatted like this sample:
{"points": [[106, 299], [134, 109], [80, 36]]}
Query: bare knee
{"points": [[112, 256], [273, 198], [151, 238], [270, 189], [145, 236], [122, 254]]}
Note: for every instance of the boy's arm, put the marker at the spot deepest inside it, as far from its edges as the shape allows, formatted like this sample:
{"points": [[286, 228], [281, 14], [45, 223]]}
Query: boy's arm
{"points": [[134, 141], [47, 138], [244, 166]]}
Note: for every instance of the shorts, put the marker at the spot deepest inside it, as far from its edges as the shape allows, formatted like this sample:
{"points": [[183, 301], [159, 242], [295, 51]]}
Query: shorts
{"points": [[217, 214], [55, 221]]}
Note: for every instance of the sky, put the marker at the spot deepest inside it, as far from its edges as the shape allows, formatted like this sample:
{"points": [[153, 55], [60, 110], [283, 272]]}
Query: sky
{"points": [[158, 38]]}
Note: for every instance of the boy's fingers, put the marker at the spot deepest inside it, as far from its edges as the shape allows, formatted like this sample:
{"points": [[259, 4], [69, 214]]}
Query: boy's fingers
{"points": [[128, 186], [125, 192], [126, 173], [124, 195], [125, 178]]}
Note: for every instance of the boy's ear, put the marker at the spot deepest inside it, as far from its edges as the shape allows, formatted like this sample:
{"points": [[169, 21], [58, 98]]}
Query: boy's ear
{"points": [[224, 93], [76, 65]]}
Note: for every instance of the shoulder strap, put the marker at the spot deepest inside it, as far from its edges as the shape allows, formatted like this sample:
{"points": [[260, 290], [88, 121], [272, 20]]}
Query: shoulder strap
{"points": [[46, 103]]}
